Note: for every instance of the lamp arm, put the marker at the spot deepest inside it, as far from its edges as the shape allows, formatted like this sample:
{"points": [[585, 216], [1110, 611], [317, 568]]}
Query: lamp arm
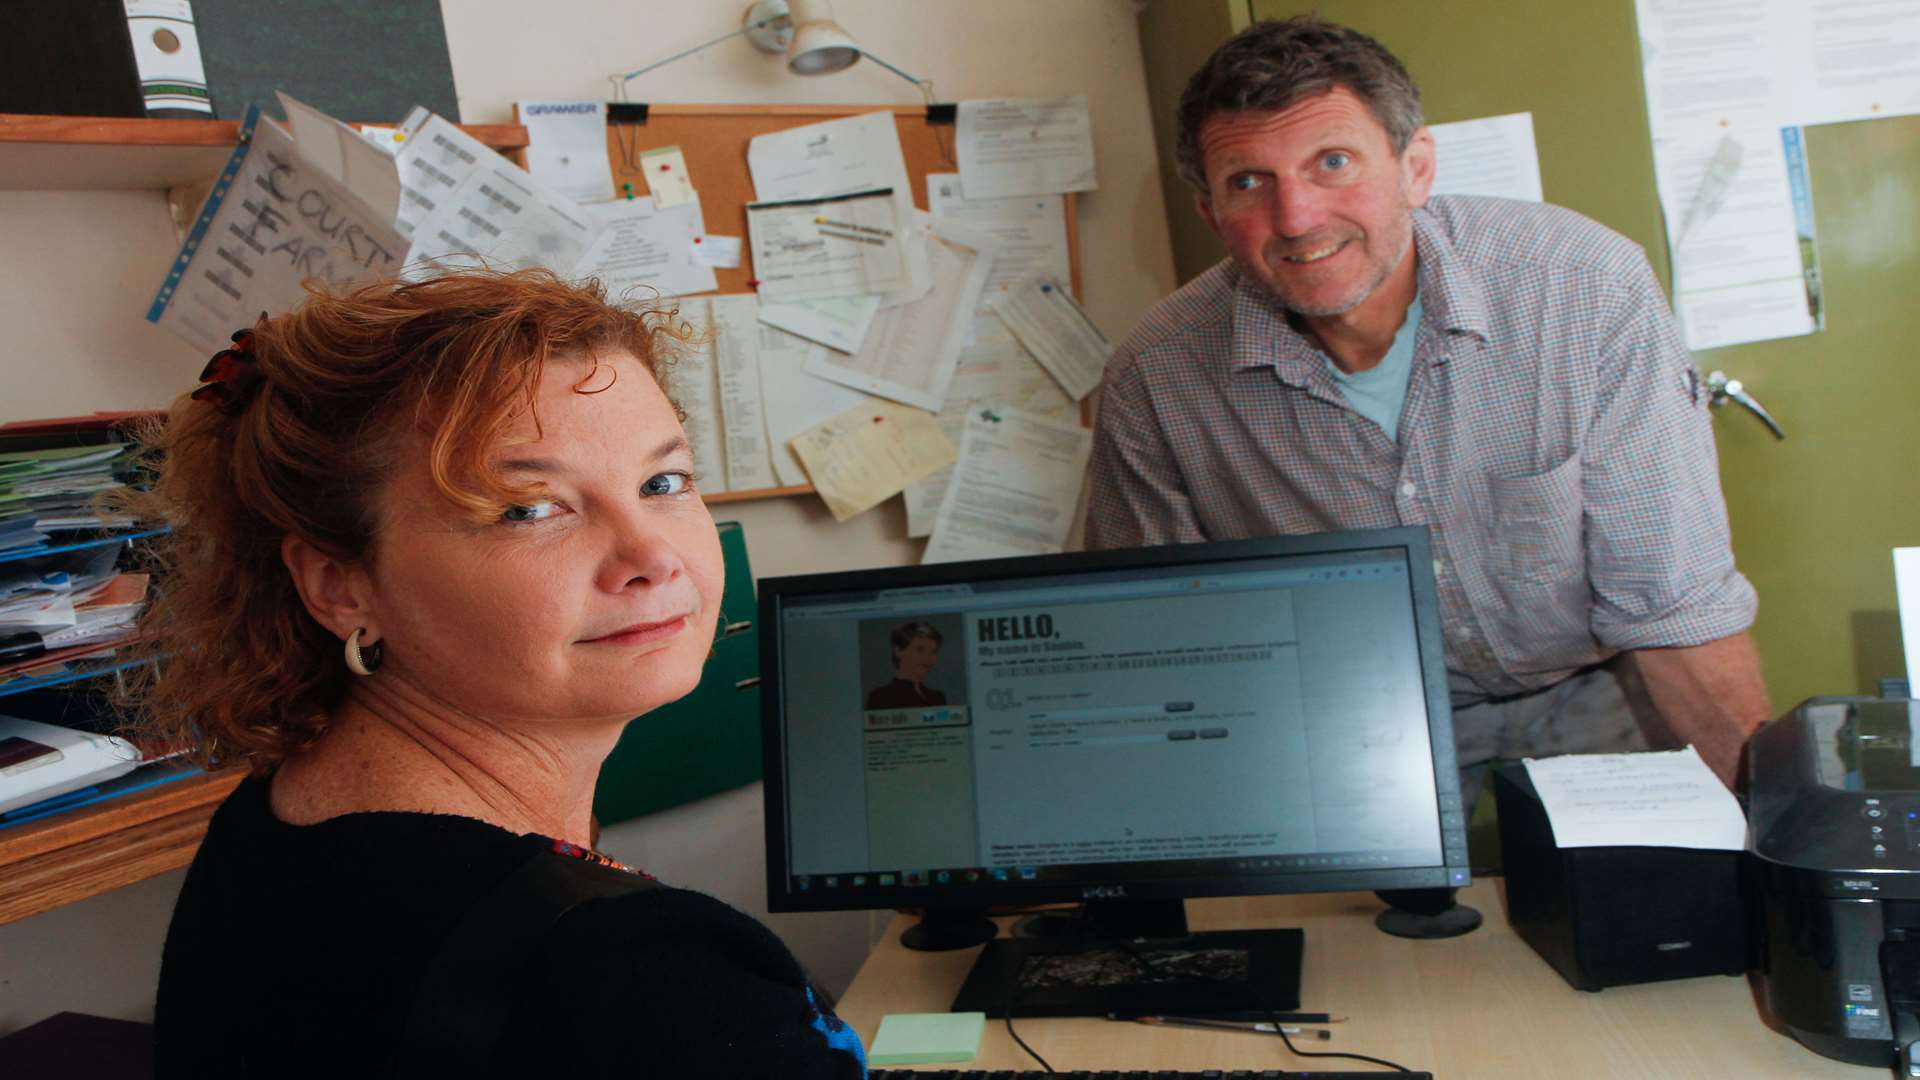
{"points": [[925, 85], [620, 81]]}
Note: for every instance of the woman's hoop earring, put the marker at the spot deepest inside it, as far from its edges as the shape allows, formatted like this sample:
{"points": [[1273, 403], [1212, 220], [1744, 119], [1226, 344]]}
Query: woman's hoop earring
{"points": [[362, 662]]}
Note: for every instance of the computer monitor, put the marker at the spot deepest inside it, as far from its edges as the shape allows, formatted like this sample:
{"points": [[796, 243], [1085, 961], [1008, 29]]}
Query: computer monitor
{"points": [[1123, 729]]}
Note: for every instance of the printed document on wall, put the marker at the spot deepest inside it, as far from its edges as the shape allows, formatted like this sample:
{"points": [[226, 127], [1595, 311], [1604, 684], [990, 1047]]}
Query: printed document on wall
{"points": [[839, 157], [815, 249], [1054, 329], [640, 250], [871, 452], [1491, 156], [910, 353], [694, 385], [1025, 146], [736, 357], [1713, 65], [799, 401], [1864, 62], [567, 147], [1739, 263], [260, 234], [993, 371], [1014, 490], [1031, 230]]}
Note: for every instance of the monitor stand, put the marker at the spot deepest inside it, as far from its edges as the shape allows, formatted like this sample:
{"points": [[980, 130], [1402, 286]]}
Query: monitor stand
{"points": [[1093, 964], [944, 929]]}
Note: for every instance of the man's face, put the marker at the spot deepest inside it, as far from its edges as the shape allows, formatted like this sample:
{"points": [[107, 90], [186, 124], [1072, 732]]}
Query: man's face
{"points": [[1311, 200]]}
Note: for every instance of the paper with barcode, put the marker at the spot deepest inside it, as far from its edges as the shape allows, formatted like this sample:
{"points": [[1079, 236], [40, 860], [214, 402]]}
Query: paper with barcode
{"points": [[271, 222], [1653, 799]]}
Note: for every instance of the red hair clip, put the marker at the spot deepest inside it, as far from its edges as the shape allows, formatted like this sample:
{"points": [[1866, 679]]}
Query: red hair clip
{"points": [[232, 375]]}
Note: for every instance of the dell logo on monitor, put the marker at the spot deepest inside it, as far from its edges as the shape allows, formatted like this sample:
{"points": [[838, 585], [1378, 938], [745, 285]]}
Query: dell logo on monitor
{"points": [[1104, 892]]}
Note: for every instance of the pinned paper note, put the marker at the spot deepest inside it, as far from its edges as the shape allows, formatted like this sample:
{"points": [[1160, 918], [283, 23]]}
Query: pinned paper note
{"points": [[1025, 146], [641, 249], [1014, 488], [912, 350], [719, 252], [1054, 329], [838, 323], [567, 147], [666, 173], [870, 453]]}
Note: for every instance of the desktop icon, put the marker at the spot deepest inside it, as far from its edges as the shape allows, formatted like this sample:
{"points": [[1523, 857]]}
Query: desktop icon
{"points": [[831, 881], [803, 882], [1029, 873], [999, 873], [914, 877], [859, 880], [972, 876], [943, 877], [887, 879]]}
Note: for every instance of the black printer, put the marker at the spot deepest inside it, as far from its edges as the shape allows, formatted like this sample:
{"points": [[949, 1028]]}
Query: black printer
{"points": [[1834, 804]]}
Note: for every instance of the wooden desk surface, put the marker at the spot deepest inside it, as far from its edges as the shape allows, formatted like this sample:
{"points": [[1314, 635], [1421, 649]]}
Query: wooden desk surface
{"points": [[1479, 1007]]}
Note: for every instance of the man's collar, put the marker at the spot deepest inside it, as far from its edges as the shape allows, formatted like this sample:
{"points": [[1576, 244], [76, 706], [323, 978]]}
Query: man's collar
{"points": [[1450, 295]]}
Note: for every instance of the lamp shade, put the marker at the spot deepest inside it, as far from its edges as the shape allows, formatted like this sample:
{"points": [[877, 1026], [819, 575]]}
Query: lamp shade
{"points": [[820, 48]]}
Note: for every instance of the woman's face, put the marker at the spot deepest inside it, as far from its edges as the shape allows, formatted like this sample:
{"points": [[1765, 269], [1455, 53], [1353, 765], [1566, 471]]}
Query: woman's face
{"points": [[917, 659], [594, 601]]}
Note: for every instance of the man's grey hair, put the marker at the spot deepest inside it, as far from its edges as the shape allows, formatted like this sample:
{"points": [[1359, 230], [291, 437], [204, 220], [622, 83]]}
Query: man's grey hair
{"points": [[1271, 65]]}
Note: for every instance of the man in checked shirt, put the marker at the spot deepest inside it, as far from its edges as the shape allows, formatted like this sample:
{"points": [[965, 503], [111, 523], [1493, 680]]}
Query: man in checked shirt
{"points": [[1506, 373]]}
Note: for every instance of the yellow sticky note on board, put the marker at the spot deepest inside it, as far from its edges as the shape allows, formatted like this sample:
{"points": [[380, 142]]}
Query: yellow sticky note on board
{"points": [[926, 1038]]}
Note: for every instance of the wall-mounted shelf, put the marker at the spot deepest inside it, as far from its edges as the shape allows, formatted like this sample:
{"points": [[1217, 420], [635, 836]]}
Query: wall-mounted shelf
{"points": [[90, 153], [84, 852]]}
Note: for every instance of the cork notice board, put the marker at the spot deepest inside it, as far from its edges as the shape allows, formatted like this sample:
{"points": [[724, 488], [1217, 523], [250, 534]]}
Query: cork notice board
{"points": [[714, 138]]}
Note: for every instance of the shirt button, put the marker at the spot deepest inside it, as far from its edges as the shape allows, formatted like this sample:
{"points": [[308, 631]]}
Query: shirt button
{"points": [[1438, 569], [1408, 489], [1463, 633]]}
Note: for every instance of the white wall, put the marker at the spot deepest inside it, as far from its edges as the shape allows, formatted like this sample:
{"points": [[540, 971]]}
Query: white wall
{"points": [[78, 269]]}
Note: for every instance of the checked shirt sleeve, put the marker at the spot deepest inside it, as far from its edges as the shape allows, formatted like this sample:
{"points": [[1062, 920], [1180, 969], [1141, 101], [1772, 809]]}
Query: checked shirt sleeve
{"points": [[1659, 552], [1136, 497]]}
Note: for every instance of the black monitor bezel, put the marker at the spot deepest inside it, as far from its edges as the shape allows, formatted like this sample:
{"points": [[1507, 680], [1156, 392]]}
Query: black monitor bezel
{"points": [[774, 592]]}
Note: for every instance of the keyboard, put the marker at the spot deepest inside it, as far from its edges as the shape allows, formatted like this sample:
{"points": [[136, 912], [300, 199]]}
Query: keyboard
{"points": [[1109, 1074]]}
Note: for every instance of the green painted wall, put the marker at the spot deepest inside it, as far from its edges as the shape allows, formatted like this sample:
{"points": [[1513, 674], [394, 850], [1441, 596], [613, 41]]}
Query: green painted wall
{"points": [[1814, 517]]}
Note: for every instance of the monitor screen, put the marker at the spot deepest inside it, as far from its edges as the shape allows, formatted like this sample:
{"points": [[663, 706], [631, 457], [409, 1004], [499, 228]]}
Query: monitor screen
{"points": [[1236, 718]]}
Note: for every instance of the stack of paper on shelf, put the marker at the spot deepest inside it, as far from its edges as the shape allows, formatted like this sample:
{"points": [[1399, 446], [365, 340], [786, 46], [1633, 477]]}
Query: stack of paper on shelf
{"points": [[43, 492]]}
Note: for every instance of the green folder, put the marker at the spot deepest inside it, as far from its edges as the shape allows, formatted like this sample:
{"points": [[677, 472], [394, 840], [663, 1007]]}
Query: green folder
{"points": [[926, 1038], [708, 741]]}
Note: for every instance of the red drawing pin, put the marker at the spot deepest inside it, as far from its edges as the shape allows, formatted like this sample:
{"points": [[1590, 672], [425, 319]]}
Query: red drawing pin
{"points": [[666, 168], [697, 239], [879, 419]]}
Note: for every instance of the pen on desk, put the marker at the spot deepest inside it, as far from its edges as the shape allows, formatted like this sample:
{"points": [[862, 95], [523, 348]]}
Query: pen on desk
{"points": [[1260, 1027]]}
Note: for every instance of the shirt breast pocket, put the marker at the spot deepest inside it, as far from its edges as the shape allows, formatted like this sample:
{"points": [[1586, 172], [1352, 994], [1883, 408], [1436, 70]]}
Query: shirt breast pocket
{"points": [[1538, 531]]}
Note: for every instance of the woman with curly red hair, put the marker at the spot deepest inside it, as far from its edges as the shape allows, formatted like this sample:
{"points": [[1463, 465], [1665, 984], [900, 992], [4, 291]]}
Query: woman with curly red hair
{"points": [[434, 545]]}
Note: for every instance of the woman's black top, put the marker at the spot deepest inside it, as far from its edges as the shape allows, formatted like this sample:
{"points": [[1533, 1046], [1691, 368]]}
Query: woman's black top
{"points": [[296, 951], [904, 694]]}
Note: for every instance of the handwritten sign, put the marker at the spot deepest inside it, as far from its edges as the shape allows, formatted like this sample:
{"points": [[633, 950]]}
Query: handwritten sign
{"points": [[271, 223]]}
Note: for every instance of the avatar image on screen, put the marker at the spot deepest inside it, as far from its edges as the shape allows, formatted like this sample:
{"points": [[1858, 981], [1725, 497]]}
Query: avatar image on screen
{"points": [[915, 650]]}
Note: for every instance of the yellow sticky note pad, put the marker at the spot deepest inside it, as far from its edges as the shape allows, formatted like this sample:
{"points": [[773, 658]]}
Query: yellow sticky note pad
{"points": [[926, 1038]]}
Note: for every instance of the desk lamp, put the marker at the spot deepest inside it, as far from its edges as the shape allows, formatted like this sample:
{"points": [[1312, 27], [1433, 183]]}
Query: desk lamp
{"points": [[804, 30]]}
